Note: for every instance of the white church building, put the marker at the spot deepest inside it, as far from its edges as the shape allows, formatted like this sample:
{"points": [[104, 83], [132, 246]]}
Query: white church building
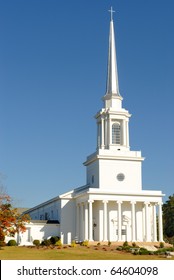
{"points": [[111, 206]]}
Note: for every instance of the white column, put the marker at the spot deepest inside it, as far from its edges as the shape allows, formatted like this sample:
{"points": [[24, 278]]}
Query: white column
{"points": [[105, 224], [102, 133], [147, 221], [154, 223], [123, 134], [127, 133], [98, 136], [86, 220], [119, 220], [90, 220], [99, 140], [110, 130], [81, 222], [143, 223], [62, 237], [106, 132], [160, 225], [77, 221], [133, 220]]}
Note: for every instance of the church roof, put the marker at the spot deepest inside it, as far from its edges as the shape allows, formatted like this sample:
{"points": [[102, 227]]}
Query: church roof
{"points": [[44, 222]]}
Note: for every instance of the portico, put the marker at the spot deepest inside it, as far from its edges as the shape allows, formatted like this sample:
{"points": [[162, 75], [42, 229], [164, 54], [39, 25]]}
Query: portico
{"points": [[97, 219]]}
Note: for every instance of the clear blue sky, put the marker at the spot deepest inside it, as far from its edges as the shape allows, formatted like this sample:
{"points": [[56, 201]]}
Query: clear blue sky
{"points": [[53, 62]]}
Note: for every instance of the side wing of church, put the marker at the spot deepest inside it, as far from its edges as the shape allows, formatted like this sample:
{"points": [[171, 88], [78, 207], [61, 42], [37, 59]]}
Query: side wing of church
{"points": [[112, 205]]}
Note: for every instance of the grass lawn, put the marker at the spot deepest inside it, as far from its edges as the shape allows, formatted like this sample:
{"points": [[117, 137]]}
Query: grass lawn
{"points": [[68, 253]]}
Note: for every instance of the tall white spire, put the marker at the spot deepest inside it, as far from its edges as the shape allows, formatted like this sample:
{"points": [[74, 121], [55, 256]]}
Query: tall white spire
{"points": [[112, 75]]}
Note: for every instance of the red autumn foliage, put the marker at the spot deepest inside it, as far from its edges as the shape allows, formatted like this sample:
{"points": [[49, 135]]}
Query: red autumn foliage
{"points": [[10, 220]]}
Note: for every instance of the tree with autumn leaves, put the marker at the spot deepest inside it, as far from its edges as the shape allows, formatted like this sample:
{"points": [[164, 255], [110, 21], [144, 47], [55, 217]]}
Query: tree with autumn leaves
{"points": [[11, 221]]}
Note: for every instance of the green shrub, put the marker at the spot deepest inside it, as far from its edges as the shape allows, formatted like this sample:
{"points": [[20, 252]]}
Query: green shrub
{"points": [[119, 248], [159, 252], [73, 243], [98, 244], [125, 244], [46, 242], [58, 243], [127, 248], [134, 244], [84, 243], [170, 249], [36, 242], [12, 242], [161, 244], [162, 251], [109, 243], [143, 251], [54, 239]]}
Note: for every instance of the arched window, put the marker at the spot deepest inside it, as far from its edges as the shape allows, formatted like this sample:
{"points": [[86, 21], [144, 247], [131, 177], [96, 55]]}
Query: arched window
{"points": [[116, 134]]}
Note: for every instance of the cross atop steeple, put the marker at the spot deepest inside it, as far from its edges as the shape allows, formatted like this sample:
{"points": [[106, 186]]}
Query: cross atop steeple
{"points": [[111, 11]]}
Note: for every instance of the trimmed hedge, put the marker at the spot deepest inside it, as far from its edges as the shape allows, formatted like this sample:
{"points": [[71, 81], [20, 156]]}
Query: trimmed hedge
{"points": [[54, 239], [36, 242], [12, 242]]}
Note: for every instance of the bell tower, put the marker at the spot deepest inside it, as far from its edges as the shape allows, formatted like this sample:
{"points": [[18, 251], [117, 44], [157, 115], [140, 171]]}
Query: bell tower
{"points": [[113, 165]]}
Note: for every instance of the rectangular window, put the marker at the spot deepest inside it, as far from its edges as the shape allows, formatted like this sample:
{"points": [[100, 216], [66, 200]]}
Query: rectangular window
{"points": [[116, 134], [123, 232]]}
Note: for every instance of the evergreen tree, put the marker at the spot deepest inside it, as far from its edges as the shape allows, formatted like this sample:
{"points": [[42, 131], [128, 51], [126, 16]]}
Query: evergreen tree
{"points": [[168, 217]]}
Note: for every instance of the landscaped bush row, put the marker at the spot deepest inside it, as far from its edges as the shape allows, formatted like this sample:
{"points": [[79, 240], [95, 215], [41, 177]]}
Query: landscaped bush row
{"points": [[134, 249], [53, 240]]}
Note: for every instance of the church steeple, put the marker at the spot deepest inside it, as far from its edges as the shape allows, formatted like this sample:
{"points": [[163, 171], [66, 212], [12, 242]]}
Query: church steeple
{"points": [[112, 97], [112, 77], [112, 120]]}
